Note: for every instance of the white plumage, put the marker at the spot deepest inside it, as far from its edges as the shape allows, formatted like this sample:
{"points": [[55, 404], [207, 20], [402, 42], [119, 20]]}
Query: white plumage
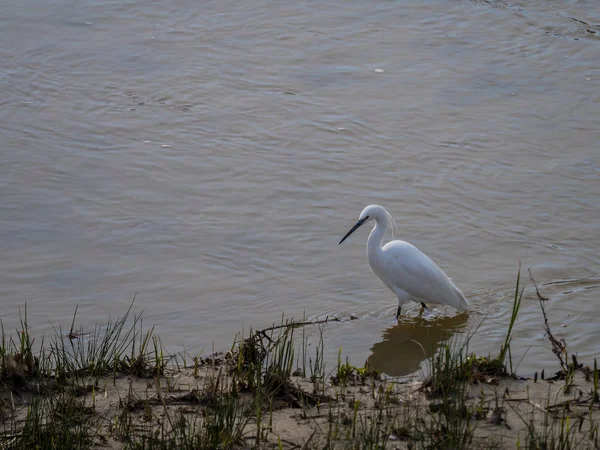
{"points": [[404, 269]]}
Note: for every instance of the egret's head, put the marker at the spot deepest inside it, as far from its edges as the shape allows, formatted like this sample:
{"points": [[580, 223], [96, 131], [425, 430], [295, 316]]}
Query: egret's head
{"points": [[371, 212]]}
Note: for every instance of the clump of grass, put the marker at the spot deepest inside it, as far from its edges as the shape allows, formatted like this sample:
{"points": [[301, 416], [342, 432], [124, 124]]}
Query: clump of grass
{"points": [[446, 370], [263, 362], [505, 348], [105, 349], [93, 354], [146, 361], [317, 366], [551, 434], [489, 369], [18, 363], [347, 374], [374, 432], [53, 422], [364, 427], [57, 374], [449, 422], [595, 396], [77, 356], [220, 424]]}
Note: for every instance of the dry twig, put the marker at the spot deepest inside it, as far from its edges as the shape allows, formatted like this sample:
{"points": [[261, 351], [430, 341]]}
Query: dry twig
{"points": [[559, 348]]}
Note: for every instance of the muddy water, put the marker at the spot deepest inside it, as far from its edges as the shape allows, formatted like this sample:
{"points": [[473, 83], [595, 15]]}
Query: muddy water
{"points": [[208, 156]]}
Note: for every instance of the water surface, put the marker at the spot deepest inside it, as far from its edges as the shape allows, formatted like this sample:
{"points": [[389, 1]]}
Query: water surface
{"points": [[208, 156]]}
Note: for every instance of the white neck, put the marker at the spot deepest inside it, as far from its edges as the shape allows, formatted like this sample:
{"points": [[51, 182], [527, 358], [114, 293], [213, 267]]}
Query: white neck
{"points": [[376, 237]]}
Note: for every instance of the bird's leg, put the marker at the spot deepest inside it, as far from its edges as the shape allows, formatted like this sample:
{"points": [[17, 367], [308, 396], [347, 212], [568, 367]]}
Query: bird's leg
{"points": [[423, 308], [403, 297]]}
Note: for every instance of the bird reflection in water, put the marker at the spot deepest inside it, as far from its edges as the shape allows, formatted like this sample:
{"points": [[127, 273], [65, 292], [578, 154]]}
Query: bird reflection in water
{"points": [[411, 341]]}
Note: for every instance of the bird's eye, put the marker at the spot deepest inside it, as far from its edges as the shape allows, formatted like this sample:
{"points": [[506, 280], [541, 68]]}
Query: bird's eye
{"points": [[367, 217]]}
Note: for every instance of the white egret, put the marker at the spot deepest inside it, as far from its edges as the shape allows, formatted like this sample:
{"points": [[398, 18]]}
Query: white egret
{"points": [[404, 269]]}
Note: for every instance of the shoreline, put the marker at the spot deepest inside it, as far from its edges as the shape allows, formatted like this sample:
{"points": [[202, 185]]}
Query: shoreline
{"points": [[115, 387]]}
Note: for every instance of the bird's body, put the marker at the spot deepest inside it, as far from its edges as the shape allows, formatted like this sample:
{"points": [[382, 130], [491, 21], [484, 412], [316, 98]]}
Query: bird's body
{"points": [[404, 269]]}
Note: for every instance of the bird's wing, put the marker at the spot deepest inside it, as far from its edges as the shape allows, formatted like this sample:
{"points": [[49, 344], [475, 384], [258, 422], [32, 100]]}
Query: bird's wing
{"points": [[414, 272]]}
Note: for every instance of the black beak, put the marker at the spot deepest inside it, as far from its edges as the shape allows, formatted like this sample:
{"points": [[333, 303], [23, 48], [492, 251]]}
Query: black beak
{"points": [[354, 228]]}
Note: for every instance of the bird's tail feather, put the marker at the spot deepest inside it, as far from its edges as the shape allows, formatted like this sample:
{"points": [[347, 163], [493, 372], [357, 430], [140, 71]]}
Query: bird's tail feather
{"points": [[465, 305]]}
